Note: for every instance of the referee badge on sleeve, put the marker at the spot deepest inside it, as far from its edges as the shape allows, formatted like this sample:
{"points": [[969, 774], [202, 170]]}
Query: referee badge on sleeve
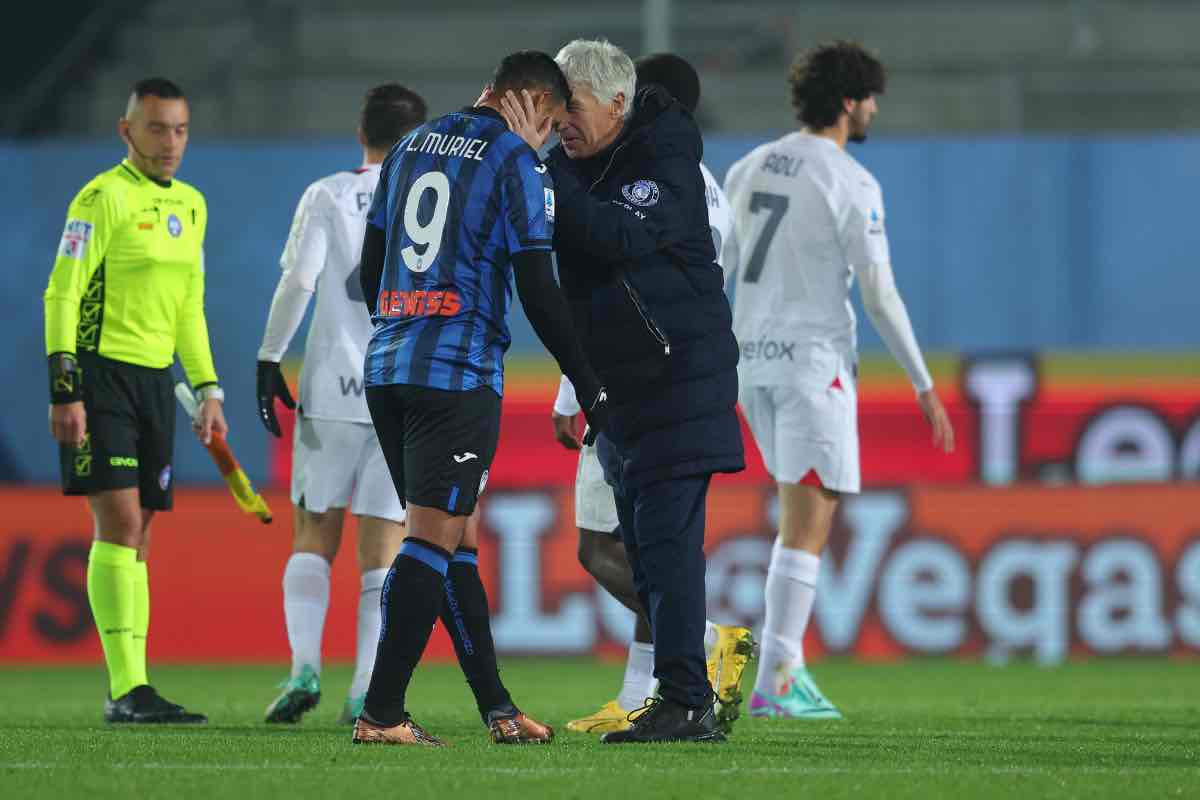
{"points": [[75, 238]]}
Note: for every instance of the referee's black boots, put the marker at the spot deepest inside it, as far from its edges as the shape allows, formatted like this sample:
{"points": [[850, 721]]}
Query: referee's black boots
{"points": [[666, 721], [143, 705]]}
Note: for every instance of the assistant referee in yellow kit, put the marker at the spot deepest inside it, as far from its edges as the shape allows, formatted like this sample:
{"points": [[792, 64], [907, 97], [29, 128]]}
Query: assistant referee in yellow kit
{"points": [[126, 294]]}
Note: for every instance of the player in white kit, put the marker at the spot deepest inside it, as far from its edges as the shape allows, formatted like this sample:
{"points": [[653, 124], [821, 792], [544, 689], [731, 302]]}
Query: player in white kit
{"points": [[601, 551], [336, 458], [810, 220]]}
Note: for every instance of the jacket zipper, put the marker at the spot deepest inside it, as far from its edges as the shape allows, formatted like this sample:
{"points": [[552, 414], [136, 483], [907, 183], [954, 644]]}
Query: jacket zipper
{"points": [[644, 312], [635, 298]]}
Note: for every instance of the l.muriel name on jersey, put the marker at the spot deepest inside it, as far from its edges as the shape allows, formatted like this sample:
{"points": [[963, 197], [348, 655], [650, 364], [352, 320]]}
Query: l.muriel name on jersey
{"points": [[439, 144]]}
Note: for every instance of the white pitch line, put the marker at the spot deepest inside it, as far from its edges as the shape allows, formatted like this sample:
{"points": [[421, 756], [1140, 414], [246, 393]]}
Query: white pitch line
{"points": [[724, 771]]}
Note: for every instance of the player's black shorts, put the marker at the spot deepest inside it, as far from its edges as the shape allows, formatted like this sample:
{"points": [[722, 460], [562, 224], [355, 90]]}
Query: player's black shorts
{"points": [[438, 444], [130, 432]]}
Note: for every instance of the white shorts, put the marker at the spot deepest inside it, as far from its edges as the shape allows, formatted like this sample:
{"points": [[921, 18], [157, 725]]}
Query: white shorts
{"points": [[798, 430], [595, 508], [333, 461]]}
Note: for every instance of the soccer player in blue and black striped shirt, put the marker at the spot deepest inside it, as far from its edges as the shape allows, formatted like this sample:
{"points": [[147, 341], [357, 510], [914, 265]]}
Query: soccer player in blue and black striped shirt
{"points": [[463, 205]]}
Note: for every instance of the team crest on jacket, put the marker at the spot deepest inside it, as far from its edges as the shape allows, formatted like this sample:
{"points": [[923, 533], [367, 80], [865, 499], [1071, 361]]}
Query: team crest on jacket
{"points": [[641, 193]]}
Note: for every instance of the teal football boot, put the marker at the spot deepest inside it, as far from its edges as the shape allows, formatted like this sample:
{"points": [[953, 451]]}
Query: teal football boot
{"points": [[801, 699], [300, 695], [352, 709]]}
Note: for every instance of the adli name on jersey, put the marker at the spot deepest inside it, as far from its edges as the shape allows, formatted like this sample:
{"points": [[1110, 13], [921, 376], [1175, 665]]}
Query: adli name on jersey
{"points": [[641, 193]]}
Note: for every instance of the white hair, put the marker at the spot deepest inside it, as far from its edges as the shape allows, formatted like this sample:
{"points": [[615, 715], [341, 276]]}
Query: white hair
{"points": [[602, 67]]}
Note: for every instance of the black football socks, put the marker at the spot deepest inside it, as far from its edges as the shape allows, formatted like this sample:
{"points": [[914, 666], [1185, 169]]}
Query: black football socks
{"points": [[466, 617], [413, 596]]}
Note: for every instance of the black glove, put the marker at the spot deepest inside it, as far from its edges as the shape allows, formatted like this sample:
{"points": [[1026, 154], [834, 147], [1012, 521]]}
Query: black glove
{"points": [[596, 414], [271, 385]]}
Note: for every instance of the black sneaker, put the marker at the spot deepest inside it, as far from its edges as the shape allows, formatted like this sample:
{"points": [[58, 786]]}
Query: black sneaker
{"points": [[143, 705], [665, 721]]}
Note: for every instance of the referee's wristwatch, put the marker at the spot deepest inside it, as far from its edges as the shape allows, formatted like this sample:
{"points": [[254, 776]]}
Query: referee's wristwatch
{"points": [[210, 391]]}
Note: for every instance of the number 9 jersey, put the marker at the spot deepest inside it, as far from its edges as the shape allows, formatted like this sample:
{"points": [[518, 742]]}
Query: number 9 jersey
{"points": [[457, 198]]}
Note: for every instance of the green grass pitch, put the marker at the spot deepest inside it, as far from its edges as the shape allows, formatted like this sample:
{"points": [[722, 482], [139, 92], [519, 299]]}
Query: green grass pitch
{"points": [[917, 729]]}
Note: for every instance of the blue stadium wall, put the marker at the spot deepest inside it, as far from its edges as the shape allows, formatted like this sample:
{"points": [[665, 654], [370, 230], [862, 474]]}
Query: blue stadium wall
{"points": [[1030, 243]]}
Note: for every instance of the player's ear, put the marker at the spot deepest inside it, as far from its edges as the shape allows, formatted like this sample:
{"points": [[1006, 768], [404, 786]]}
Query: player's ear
{"points": [[123, 129], [617, 107]]}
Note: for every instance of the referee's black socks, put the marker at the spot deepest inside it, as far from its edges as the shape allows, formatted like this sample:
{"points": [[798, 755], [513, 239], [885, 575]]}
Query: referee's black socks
{"points": [[413, 596], [466, 617]]}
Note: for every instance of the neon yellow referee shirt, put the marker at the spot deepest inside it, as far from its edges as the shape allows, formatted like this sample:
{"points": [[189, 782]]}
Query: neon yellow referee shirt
{"points": [[128, 281]]}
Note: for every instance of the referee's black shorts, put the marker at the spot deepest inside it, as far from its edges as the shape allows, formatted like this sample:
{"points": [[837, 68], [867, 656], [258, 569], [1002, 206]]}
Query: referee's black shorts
{"points": [[439, 444], [130, 432]]}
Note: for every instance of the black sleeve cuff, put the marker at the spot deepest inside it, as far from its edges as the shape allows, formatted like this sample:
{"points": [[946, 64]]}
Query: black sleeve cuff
{"points": [[66, 380]]}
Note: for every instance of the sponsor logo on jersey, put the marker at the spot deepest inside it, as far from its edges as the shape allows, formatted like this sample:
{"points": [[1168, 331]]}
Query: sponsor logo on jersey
{"points": [[419, 304], [641, 193], [768, 350], [462, 458], [75, 238], [549, 204], [540, 169], [164, 477], [174, 226], [127, 462], [350, 386]]}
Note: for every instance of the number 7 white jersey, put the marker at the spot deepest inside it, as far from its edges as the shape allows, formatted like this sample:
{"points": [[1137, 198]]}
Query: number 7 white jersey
{"points": [[322, 255], [806, 216]]}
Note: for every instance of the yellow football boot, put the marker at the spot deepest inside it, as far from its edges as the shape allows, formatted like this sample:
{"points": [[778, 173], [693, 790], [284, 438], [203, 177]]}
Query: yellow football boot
{"points": [[734, 647], [610, 717]]}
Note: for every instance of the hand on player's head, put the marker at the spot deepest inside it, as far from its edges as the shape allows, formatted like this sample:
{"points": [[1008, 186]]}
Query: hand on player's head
{"points": [[532, 118]]}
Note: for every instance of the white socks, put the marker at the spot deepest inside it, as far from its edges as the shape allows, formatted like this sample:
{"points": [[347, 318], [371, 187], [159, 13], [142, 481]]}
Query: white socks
{"points": [[791, 588], [640, 682], [639, 677], [369, 621], [710, 638], [305, 601]]}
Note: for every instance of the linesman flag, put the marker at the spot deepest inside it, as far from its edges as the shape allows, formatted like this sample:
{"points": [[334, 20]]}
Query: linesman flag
{"points": [[243, 492]]}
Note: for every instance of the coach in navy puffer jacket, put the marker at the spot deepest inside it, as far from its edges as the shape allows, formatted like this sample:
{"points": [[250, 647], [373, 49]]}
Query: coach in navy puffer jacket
{"points": [[636, 263]]}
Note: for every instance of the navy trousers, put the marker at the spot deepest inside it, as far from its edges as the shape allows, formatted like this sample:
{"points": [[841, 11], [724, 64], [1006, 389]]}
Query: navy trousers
{"points": [[662, 525]]}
